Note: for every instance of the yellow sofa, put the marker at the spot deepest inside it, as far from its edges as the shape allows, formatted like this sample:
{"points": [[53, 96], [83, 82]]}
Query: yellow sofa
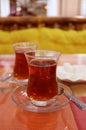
{"points": [[47, 38]]}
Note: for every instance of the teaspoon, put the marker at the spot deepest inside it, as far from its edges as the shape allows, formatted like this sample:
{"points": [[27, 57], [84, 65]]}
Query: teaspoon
{"points": [[6, 77], [81, 105]]}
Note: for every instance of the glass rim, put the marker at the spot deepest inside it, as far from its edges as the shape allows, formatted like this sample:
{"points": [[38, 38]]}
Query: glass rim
{"points": [[25, 44], [43, 53]]}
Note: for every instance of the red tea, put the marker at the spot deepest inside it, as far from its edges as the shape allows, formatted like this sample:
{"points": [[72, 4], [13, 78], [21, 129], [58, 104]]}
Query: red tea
{"points": [[21, 66], [42, 83]]}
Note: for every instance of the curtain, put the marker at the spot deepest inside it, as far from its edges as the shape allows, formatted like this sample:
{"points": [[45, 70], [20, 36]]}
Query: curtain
{"points": [[64, 8], [70, 8]]}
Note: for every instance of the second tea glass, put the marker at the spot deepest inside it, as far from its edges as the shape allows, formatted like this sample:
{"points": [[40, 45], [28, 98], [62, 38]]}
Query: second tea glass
{"points": [[21, 67], [42, 86]]}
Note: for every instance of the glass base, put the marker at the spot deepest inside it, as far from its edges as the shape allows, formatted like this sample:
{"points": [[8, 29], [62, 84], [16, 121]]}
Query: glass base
{"points": [[44, 103], [18, 81], [20, 97]]}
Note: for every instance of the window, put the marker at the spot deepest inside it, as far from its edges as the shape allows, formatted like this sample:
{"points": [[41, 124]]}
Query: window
{"points": [[83, 8], [61, 8], [4, 8]]}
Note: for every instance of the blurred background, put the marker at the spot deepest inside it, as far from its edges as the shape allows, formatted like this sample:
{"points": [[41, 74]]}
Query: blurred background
{"points": [[55, 8]]}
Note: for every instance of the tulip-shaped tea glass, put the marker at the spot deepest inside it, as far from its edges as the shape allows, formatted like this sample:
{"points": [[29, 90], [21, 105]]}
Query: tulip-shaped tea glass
{"points": [[42, 86], [21, 67]]}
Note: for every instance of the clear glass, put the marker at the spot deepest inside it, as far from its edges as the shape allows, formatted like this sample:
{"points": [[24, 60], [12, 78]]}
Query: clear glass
{"points": [[21, 67], [42, 86], [20, 97]]}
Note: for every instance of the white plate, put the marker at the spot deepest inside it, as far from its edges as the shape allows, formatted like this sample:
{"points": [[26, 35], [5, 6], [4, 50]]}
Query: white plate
{"points": [[71, 73]]}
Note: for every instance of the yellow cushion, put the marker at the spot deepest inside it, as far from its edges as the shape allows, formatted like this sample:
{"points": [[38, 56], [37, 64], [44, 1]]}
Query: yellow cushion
{"points": [[47, 38], [5, 37]]}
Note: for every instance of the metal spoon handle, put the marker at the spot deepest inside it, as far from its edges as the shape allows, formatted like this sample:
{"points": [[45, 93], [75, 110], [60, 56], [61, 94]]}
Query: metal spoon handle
{"points": [[79, 103], [76, 101], [6, 77]]}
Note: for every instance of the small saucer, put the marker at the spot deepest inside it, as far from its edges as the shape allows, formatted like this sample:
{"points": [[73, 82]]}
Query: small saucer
{"points": [[20, 97]]}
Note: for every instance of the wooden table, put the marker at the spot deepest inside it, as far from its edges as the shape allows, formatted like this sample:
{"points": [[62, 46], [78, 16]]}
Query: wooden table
{"points": [[12, 117]]}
